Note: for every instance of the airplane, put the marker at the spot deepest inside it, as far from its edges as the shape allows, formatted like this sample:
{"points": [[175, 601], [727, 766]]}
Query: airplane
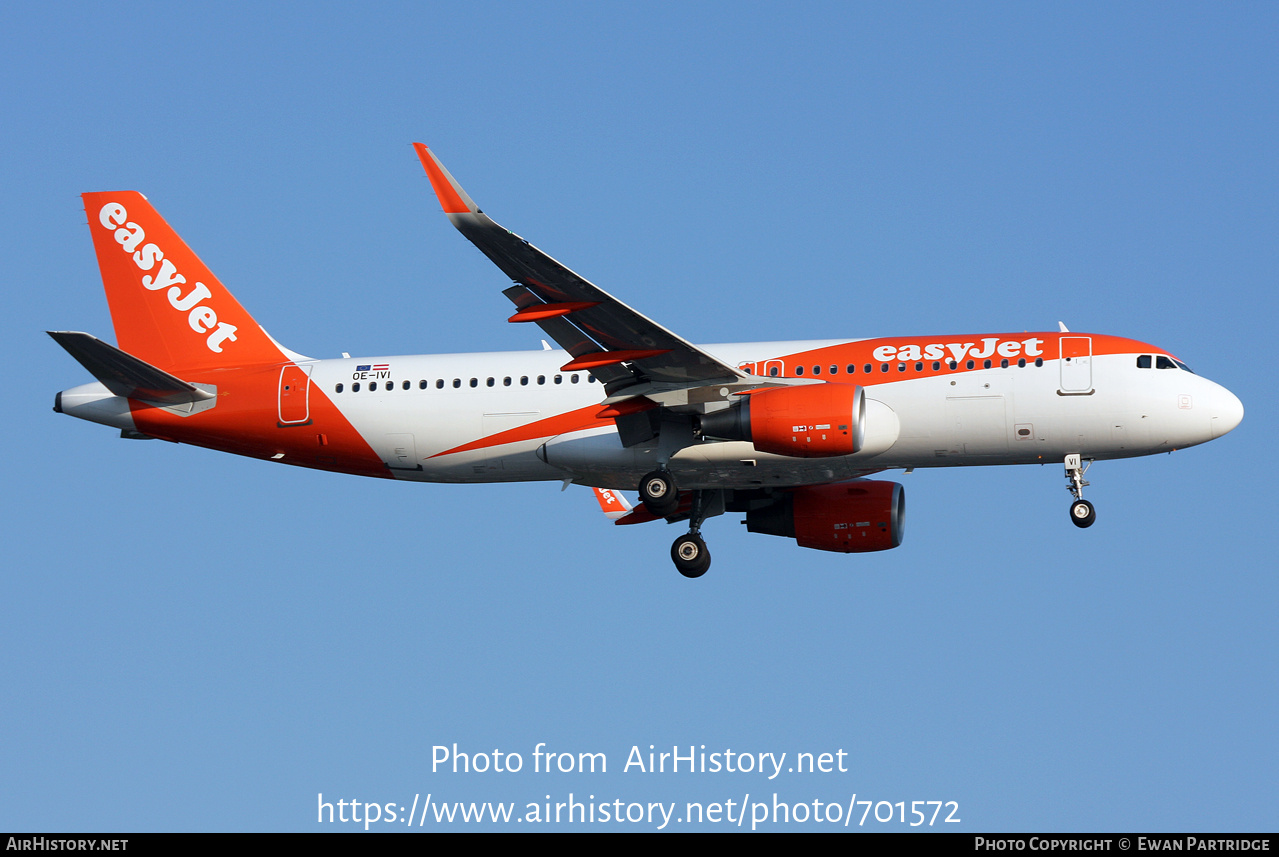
{"points": [[785, 433]]}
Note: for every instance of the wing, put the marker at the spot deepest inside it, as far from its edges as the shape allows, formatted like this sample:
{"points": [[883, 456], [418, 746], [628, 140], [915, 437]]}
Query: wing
{"points": [[631, 354]]}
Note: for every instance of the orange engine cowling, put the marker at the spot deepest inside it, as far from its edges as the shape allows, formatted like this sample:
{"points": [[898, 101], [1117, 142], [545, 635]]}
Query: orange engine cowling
{"points": [[850, 517], [812, 421]]}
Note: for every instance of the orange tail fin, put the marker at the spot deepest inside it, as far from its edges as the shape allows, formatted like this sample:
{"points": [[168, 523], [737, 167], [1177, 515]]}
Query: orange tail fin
{"points": [[167, 307]]}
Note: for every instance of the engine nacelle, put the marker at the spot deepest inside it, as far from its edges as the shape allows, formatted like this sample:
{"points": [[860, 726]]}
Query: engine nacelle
{"points": [[812, 421], [850, 517]]}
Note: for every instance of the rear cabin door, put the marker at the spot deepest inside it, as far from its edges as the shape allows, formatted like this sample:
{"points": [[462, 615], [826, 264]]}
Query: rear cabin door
{"points": [[295, 395]]}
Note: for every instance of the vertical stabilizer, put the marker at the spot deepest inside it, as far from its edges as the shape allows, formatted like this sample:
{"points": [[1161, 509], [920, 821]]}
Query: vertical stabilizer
{"points": [[168, 308]]}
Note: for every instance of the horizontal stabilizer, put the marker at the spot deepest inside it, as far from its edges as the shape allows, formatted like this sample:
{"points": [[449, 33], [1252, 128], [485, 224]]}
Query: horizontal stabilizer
{"points": [[641, 515], [126, 375]]}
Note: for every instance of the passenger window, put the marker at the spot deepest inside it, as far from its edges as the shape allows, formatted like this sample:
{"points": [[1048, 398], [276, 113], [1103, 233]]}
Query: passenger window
{"points": [[421, 385], [457, 383], [372, 386], [799, 370], [986, 365], [338, 388], [1022, 363], [1143, 361], [901, 367], [541, 379], [490, 382], [475, 382], [573, 377], [834, 370], [817, 370], [506, 382], [1039, 361], [439, 383], [919, 367], [355, 388], [559, 379], [868, 368], [523, 380], [936, 365], [852, 369], [772, 371], [883, 367], [1003, 364], [971, 364]]}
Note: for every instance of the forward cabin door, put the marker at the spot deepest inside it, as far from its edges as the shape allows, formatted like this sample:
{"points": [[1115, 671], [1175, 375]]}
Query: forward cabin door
{"points": [[1076, 364]]}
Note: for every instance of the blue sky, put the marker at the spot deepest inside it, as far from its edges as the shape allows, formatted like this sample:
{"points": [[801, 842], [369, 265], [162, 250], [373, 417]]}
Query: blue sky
{"points": [[191, 641]]}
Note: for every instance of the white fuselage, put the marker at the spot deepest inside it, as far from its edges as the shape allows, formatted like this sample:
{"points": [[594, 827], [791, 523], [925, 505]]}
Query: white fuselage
{"points": [[1014, 415]]}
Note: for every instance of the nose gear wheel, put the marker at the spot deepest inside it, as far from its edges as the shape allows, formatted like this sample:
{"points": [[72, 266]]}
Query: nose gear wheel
{"points": [[1082, 514]]}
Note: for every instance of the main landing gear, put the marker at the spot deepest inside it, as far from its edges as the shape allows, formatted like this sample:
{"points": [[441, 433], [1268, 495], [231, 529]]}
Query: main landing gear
{"points": [[657, 492], [691, 555], [660, 496], [1082, 513], [689, 551]]}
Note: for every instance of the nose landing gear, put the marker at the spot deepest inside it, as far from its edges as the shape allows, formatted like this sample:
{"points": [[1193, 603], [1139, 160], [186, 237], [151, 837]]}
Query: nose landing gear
{"points": [[1082, 513]]}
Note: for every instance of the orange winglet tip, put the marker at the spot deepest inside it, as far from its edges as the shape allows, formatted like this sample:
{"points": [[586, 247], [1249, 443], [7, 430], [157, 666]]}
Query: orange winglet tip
{"points": [[608, 358], [452, 198], [541, 311], [621, 409]]}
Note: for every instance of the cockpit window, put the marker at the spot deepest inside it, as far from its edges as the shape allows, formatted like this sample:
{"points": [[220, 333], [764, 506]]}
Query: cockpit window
{"points": [[1162, 361]]}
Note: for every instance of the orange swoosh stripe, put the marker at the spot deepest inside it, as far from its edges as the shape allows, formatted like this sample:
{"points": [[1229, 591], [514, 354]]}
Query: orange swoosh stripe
{"points": [[582, 418]]}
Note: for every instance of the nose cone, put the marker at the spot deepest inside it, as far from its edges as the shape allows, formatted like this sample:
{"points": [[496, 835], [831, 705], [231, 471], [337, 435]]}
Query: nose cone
{"points": [[1226, 412]]}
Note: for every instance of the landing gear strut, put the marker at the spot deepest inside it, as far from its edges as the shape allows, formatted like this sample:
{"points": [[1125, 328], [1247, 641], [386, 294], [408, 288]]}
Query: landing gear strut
{"points": [[1082, 513]]}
